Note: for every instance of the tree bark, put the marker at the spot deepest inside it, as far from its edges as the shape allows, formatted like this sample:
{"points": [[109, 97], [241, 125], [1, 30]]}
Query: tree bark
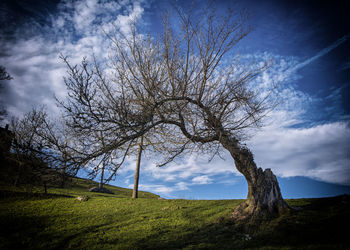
{"points": [[264, 196], [137, 170]]}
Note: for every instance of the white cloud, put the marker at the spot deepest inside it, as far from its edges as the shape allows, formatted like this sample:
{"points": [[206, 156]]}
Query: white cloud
{"points": [[181, 186], [201, 180], [321, 152], [76, 31], [124, 21], [84, 14], [155, 188], [194, 168]]}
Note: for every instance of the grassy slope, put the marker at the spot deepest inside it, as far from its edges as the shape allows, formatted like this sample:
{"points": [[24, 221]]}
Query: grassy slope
{"points": [[105, 221]]}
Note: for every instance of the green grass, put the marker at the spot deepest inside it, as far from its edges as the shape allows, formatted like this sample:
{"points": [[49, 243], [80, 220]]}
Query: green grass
{"points": [[59, 221]]}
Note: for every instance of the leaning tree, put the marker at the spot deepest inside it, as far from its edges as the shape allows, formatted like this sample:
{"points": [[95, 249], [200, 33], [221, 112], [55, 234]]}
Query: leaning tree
{"points": [[186, 88]]}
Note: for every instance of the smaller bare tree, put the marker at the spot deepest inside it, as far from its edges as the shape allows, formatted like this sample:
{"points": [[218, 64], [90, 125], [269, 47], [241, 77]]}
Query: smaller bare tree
{"points": [[29, 164], [58, 140], [41, 150]]}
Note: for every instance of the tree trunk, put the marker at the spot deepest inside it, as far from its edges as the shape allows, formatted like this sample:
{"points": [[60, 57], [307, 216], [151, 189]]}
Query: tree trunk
{"points": [[63, 176], [102, 174], [137, 170], [264, 196]]}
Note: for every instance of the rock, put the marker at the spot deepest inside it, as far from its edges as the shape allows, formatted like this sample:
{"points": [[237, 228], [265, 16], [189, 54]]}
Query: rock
{"points": [[83, 198], [160, 198], [100, 190], [345, 198], [297, 208], [247, 237]]}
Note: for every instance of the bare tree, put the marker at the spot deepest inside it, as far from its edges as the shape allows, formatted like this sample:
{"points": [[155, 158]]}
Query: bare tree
{"points": [[41, 149], [184, 86], [57, 140], [61, 146], [29, 160]]}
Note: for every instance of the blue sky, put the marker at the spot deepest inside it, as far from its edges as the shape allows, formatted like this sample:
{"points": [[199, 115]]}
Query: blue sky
{"points": [[306, 138]]}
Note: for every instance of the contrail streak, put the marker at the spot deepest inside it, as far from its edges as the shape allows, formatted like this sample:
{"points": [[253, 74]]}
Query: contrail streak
{"points": [[319, 54]]}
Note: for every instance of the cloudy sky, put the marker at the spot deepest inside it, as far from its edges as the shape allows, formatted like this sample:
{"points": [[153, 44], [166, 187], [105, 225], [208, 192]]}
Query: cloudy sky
{"points": [[306, 138]]}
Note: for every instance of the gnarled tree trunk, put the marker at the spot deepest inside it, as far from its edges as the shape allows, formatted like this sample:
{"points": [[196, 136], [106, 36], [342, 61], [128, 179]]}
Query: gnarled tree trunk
{"points": [[264, 196]]}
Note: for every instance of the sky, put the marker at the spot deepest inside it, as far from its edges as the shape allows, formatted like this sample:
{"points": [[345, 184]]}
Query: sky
{"points": [[305, 140]]}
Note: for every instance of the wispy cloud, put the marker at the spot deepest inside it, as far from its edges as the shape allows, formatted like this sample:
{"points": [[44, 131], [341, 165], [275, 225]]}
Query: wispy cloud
{"points": [[319, 54], [345, 66]]}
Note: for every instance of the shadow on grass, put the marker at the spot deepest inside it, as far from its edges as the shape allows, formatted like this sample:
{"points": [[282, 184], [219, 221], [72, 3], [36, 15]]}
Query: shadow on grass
{"points": [[221, 235], [22, 232], [67, 242], [322, 224], [28, 232]]}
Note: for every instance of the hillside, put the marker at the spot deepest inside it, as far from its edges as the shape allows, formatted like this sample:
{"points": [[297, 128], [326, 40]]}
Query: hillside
{"points": [[105, 221]]}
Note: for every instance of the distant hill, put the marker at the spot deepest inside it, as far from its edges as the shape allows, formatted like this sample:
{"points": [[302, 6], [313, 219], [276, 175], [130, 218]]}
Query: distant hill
{"points": [[80, 186]]}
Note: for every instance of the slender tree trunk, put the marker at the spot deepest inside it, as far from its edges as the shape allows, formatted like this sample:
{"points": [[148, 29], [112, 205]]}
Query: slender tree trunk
{"points": [[264, 196], [100, 186], [45, 187], [102, 174], [16, 180], [137, 170], [63, 176], [64, 169]]}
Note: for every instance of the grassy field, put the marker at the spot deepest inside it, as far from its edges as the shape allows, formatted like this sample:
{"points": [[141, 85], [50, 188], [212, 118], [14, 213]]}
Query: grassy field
{"points": [[105, 221]]}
